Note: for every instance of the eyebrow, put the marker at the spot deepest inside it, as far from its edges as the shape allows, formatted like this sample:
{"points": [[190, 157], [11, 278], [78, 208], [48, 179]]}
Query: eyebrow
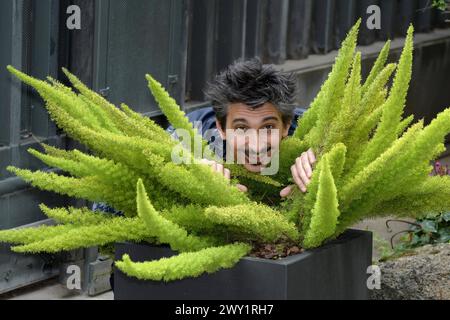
{"points": [[264, 120], [240, 120], [270, 118]]}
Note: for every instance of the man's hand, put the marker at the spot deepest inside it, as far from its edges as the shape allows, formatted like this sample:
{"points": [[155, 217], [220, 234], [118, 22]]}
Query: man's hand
{"points": [[217, 167], [301, 172]]}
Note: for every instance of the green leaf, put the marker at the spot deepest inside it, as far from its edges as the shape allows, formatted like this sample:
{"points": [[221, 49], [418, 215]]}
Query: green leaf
{"points": [[429, 226], [415, 240], [446, 216], [425, 239], [444, 236]]}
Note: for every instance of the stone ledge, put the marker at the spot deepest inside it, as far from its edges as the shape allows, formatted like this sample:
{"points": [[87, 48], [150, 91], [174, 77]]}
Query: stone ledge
{"points": [[422, 276]]}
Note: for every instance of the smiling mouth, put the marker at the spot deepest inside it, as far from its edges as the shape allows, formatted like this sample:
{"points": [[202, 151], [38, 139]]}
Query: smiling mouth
{"points": [[257, 164], [254, 163]]}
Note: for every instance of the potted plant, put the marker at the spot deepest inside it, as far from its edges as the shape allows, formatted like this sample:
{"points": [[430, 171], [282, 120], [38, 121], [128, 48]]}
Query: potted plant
{"points": [[371, 162], [336, 270]]}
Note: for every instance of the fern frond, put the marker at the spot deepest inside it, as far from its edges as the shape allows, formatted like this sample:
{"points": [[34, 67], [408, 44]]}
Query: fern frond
{"points": [[185, 265]]}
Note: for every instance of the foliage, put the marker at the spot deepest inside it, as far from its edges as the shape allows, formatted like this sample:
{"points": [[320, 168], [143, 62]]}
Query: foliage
{"points": [[190, 264], [371, 162], [440, 4], [430, 230]]}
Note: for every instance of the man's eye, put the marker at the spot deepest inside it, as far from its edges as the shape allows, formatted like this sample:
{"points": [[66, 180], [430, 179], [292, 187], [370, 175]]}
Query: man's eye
{"points": [[240, 130], [269, 127]]}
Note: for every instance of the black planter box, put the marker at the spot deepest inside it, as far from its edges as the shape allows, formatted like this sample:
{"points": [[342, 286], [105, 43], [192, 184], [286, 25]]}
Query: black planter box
{"points": [[336, 270]]}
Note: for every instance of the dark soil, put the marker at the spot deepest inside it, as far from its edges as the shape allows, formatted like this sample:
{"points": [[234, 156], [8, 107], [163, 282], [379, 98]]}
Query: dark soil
{"points": [[275, 251]]}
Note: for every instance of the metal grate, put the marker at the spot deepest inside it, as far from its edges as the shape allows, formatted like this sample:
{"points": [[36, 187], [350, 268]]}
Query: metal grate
{"points": [[27, 42], [280, 30]]}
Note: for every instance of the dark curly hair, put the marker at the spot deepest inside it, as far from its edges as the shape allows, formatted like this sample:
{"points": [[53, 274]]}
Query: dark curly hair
{"points": [[254, 84]]}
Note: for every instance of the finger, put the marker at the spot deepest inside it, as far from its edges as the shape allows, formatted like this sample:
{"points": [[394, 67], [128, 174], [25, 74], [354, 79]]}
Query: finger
{"points": [[297, 179], [215, 167], [307, 166], [242, 188], [211, 165], [311, 156], [206, 161], [301, 172], [219, 168], [286, 191], [227, 173]]}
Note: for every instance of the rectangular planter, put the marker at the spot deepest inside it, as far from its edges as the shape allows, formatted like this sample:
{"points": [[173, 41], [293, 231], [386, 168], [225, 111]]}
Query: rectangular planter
{"points": [[336, 270]]}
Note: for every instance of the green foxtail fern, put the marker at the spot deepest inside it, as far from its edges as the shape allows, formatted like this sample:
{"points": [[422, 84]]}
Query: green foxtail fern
{"points": [[372, 161]]}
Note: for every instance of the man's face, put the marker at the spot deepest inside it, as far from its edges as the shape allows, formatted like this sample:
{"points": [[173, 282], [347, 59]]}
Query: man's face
{"points": [[254, 133]]}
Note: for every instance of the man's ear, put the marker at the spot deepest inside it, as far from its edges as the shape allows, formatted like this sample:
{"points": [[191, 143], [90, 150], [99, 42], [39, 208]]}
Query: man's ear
{"points": [[221, 130], [286, 128]]}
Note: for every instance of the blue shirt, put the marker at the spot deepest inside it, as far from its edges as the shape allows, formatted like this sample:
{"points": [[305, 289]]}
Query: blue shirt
{"points": [[206, 118]]}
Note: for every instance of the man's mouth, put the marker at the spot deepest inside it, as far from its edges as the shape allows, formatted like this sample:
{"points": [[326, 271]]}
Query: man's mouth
{"points": [[255, 164], [257, 159]]}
